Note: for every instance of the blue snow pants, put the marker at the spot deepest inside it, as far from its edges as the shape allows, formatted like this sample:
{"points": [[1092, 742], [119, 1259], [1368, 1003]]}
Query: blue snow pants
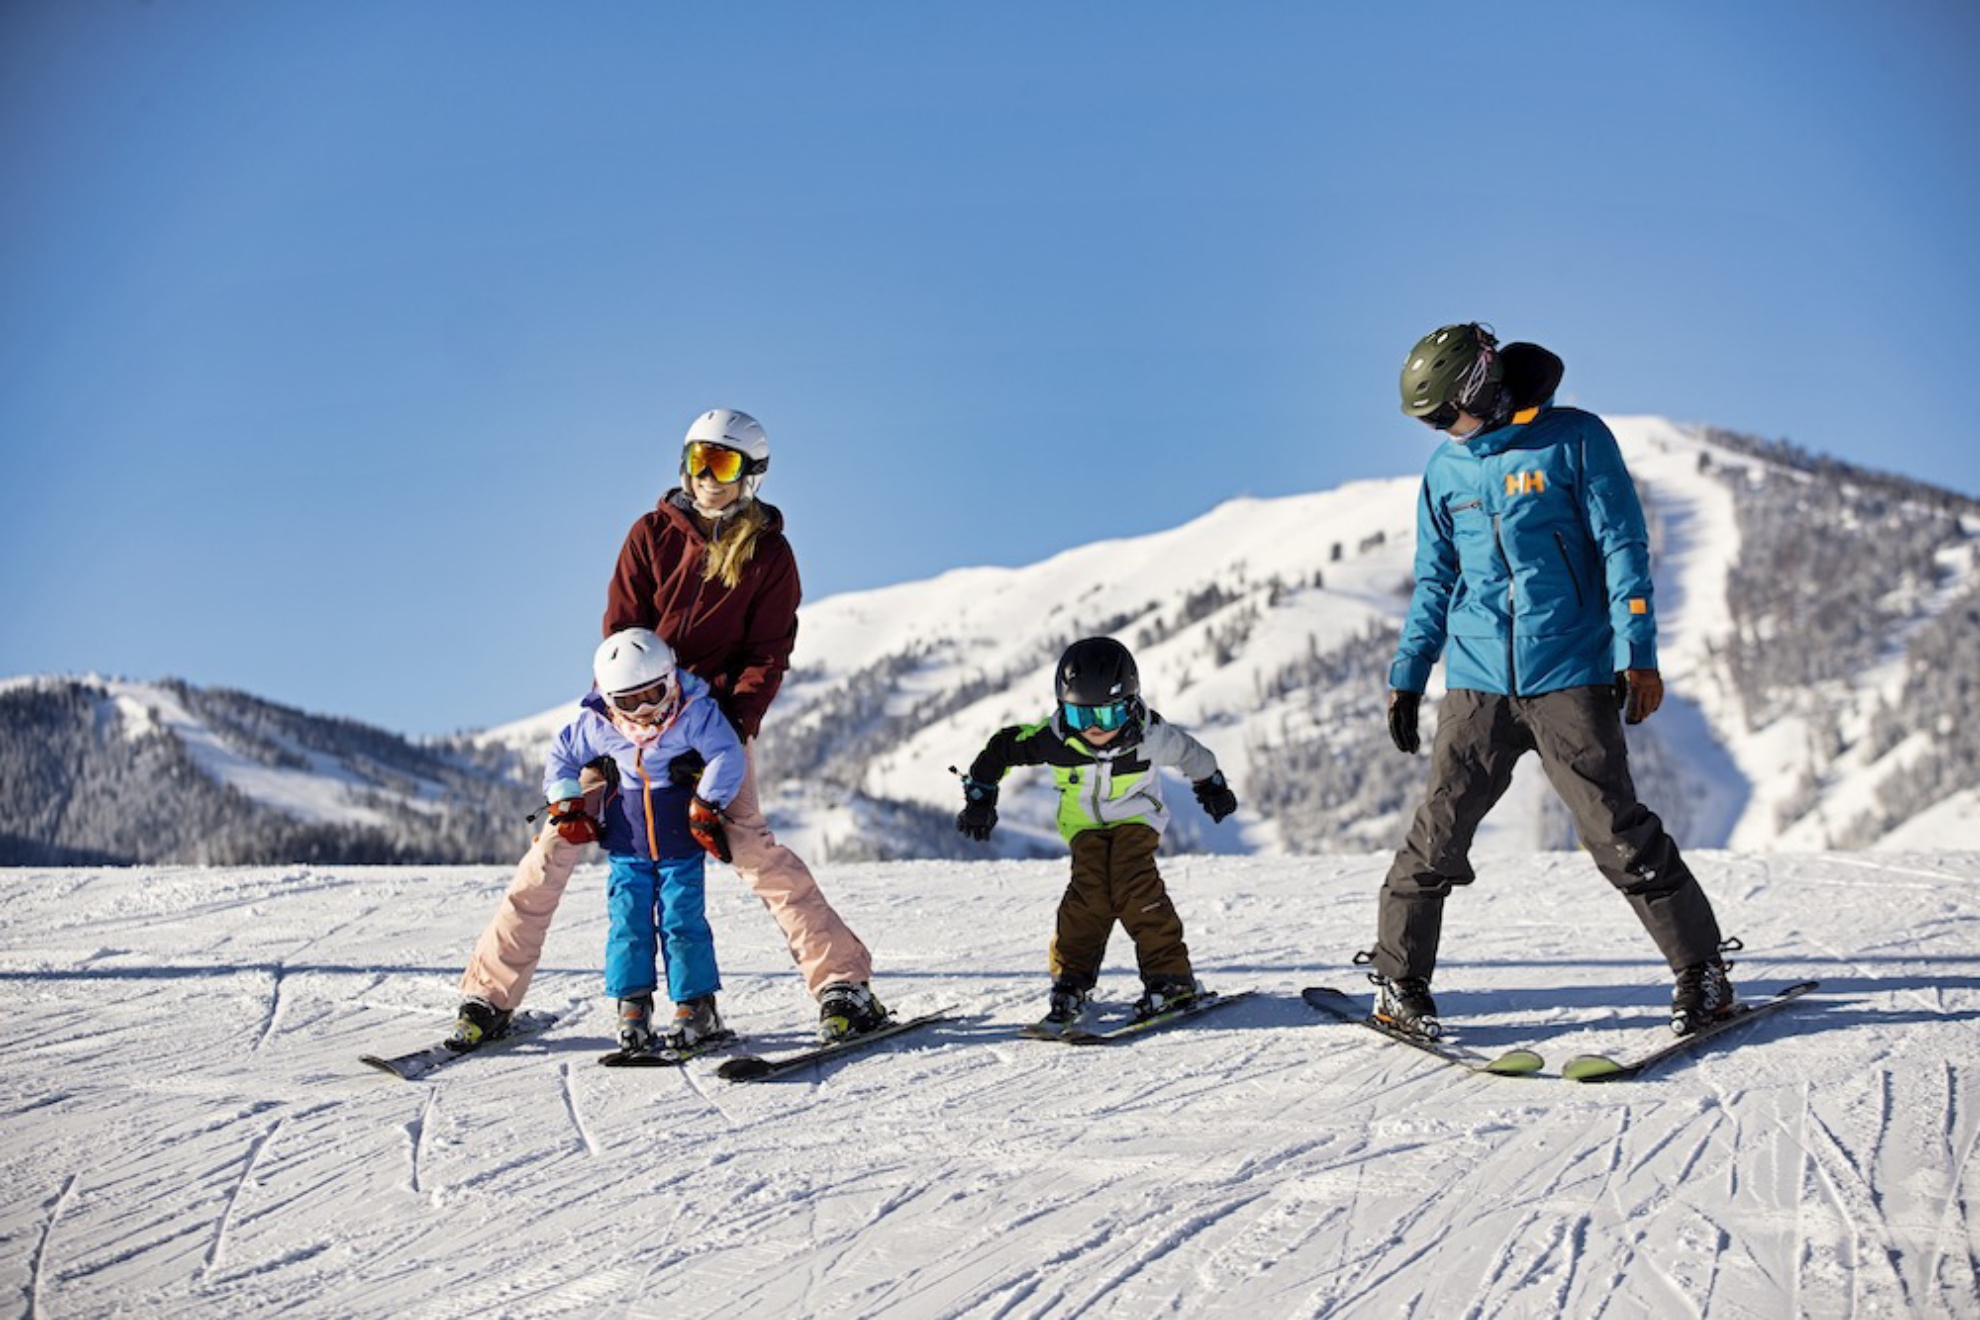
{"points": [[658, 915]]}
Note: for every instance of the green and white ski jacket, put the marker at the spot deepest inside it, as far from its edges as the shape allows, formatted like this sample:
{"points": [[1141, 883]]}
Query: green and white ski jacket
{"points": [[1099, 787]]}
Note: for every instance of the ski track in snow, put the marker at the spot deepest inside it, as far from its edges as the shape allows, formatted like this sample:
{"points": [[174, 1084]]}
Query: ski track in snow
{"points": [[189, 1131]]}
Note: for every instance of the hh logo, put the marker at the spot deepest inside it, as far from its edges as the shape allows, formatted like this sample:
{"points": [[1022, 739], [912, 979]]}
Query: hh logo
{"points": [[1526, 483]]}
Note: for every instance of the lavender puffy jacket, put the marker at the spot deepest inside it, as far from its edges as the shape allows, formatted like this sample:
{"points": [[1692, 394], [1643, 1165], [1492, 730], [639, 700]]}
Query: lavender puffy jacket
{"points": [[647, 817]]}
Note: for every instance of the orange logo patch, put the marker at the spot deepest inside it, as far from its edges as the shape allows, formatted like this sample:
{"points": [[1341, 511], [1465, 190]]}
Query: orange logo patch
{"points": [[1638, 605], [1526, 483]]}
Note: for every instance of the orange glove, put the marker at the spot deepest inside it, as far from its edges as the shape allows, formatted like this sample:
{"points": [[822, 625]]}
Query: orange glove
{"points": [[571, 822], [705, 824]]}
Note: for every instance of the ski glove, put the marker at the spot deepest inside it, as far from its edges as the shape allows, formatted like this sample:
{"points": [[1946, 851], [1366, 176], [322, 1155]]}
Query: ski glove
{"points": [[979, 814], [571, 822], [1638, 694], [1215, 796], [684, 771], [1403, 710], [705, 824]]}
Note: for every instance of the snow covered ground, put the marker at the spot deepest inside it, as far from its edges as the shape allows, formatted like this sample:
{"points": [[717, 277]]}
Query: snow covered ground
{"points": [[188, 1131]]}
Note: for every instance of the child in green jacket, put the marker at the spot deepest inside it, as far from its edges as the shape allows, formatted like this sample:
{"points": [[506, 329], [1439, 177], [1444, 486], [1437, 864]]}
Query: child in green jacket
{"points": [[1104, 746]]}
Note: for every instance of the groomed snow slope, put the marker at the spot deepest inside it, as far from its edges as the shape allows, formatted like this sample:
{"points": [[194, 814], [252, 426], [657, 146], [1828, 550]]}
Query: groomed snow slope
{"points": [[188, 1131]]}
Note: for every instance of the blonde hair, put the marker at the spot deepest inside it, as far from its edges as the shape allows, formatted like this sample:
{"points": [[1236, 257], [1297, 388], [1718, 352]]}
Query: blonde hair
{"points": [[734, 541]]}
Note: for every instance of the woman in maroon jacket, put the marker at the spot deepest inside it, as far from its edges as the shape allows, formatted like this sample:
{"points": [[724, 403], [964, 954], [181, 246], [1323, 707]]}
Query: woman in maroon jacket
{"points": [[710, 571]]}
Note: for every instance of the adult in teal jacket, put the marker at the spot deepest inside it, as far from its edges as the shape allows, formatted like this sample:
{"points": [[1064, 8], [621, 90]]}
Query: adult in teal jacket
{"points": [[1533, 586]]}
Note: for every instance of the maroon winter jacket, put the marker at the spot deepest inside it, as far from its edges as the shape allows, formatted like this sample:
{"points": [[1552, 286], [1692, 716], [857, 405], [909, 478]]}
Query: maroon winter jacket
{"points": [[738, 640]]}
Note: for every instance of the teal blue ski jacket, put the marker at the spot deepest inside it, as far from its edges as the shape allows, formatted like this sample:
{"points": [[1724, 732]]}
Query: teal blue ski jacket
{"points": [[1532, 562]]}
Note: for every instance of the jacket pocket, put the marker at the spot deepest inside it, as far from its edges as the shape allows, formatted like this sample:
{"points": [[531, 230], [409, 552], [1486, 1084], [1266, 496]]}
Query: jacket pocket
{"points": [[1567, 563]]}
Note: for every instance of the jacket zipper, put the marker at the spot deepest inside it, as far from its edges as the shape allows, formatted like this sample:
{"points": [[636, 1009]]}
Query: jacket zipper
{"points": [[1512, 611], [646, 797], [1560, 543]]}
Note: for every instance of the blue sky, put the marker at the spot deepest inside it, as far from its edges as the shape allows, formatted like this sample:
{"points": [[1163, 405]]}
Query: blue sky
{"points": [[341, 343]]}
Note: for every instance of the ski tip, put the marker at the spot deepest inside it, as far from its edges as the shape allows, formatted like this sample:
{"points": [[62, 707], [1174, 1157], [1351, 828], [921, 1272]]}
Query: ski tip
{"points": [[744, 1069], [1516, 1063], [1592, 1068]]}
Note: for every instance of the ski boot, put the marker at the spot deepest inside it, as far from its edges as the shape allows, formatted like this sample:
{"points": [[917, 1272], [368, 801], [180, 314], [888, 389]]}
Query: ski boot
{"points": [[478, 1023], [847, 1009], [696, 1023], [1703, 995], [1067, 1005], [1406, 1005], [636, 1023], [1166, 994]]}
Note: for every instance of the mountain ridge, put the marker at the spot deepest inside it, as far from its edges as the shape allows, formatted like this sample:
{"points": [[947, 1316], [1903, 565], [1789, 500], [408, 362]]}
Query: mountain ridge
{"points": [[1818, 622]]}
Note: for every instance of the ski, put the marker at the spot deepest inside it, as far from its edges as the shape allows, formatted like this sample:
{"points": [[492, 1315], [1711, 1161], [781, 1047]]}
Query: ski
{"points": [[1077, 1035], [1602, 1068], [668, 1056], [419, 1063], [751, 1068], [1338, 1004]]}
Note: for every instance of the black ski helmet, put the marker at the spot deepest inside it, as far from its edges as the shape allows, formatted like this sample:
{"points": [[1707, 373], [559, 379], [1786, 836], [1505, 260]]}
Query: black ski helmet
{"points": [[1454, 365], [1096, 671]]}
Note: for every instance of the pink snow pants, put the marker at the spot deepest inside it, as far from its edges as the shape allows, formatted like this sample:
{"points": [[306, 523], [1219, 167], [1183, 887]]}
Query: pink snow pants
{"points": [[822, 945]]}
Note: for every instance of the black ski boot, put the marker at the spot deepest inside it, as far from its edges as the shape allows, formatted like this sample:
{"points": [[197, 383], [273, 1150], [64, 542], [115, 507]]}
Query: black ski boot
{"points": [[1704, 994], [1166, 994], [479, 1022], [1406, 1005], [847, 1009], [1068, 1004]]}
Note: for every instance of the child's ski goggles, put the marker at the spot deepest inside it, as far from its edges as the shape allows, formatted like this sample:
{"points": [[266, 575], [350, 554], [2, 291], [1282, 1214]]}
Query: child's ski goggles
{"points": [[656, 698], [1106, 718], [719, 461]]}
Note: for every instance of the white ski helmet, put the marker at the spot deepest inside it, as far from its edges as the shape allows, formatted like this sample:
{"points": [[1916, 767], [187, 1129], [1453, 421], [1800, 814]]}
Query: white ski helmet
{"points": [[631, 659], [732, 430]]}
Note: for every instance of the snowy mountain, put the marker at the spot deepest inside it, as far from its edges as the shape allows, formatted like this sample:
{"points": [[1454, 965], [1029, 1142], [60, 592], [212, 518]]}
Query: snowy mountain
{"points": [[1819, 628], [107, 770], [1819, 624], [189, 1132]]}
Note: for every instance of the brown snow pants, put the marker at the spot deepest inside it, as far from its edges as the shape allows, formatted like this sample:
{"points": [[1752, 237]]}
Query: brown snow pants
{"points": [[1579, 735], [1114, 878]]}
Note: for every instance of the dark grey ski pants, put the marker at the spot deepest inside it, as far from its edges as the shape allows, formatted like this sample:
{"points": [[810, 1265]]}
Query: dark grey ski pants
{"points": [[1579, 735]]}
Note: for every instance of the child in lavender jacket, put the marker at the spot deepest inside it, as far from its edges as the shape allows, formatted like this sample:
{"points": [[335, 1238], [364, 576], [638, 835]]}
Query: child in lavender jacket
{"points": [[672, 761]]}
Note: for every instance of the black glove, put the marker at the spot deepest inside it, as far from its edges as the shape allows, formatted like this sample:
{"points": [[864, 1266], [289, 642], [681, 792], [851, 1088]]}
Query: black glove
{"points": [[684, 771], [1215, 796], [979, 814], [1403, 709], [705, 824]]}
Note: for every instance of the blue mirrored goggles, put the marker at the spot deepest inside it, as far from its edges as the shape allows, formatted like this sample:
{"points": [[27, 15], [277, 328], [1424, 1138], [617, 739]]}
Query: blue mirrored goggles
{"points": [[1106, 718]]}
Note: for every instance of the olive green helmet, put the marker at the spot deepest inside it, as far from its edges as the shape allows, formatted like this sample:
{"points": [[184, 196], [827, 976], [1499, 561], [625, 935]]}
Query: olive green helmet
{"points": [[1454, 367]]}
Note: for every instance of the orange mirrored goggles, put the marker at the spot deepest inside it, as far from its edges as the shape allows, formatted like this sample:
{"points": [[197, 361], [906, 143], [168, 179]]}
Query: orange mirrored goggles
{"points": [[720, 462]]}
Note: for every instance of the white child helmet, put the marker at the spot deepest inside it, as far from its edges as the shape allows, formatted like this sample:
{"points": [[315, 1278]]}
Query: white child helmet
{"points": [[630, 659], [732, 430]]}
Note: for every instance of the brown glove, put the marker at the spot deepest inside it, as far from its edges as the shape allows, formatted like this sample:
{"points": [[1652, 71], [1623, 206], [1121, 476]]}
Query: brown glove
{"points": [[1639, 692]]}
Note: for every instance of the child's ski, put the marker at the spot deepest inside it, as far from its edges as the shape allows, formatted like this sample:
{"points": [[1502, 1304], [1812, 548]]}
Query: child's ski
{"points": [[1602, 1068], [750, 1068], [419, 1063], [1335, 1003], [1203, 1003], [668, 1056]]}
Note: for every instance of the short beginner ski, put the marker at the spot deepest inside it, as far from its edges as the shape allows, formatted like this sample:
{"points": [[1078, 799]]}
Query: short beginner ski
{"points": [[1339, 1004], [419, 1063], [1601, 1068], [1077, 1035], [658, 1055], [751, 1068]]}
